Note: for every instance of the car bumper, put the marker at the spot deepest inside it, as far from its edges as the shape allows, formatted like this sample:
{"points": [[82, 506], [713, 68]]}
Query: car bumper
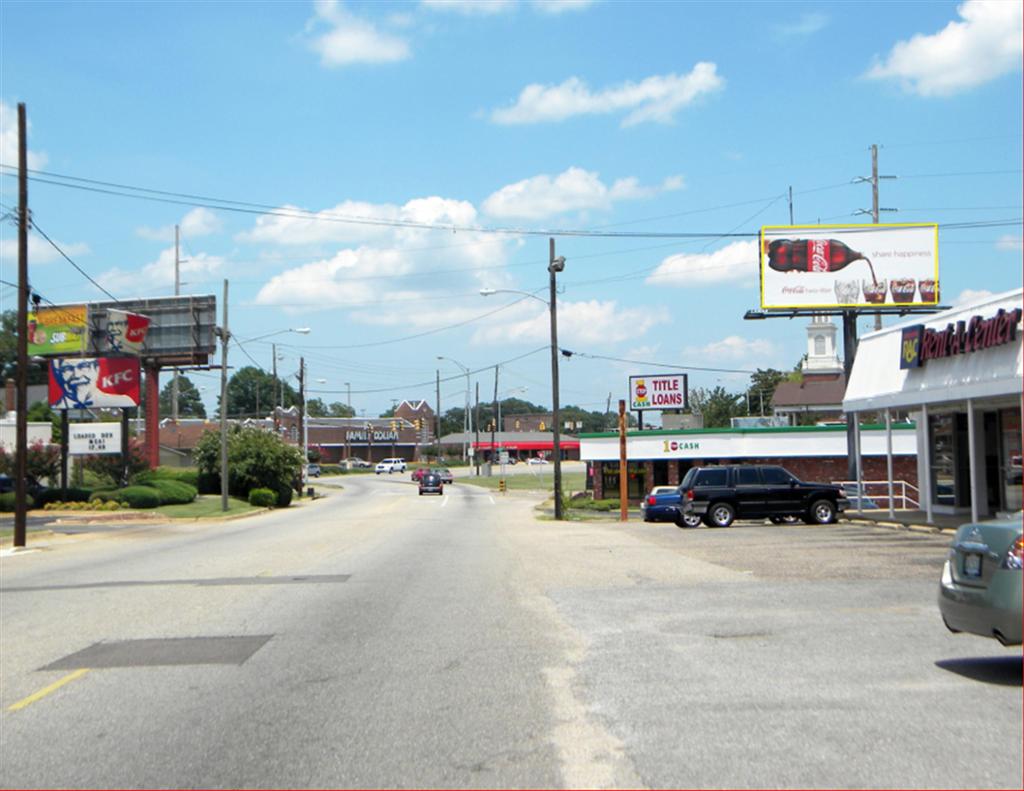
{"points": [[843, 503], [431, 489], [691, 507], [990, 611]]}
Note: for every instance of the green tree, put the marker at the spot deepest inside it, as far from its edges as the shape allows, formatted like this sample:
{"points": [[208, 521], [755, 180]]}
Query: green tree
{"points": [[762, 388], [315, 407], [253, 392], [338, 409], [190, 401], [256, 459], [37, 372], [110, 466], [717, 406]]}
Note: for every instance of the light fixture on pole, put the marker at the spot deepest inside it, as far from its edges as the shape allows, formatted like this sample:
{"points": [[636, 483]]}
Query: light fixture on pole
{"points": [[555, 265], [467, 421]]}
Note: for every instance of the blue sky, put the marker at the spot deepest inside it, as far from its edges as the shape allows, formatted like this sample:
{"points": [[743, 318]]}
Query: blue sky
{"points": [[393, 139]]}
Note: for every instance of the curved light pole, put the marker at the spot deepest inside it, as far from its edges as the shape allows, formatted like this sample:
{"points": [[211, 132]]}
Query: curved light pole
{"points": [[555, 265], [467, 420]]}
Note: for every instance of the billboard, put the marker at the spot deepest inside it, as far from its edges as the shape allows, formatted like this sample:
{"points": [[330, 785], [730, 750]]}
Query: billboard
{"points": [[57, 330], [85, 439], [849, 266], [83, 383], [126, 332], [658, 391]]}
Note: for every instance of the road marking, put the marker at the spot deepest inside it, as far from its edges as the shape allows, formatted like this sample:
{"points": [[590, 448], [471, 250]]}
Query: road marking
{"points": [[47, 690], [491, 499], [444, 502]]}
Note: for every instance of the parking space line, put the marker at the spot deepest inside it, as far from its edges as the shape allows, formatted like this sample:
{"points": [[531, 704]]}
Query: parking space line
{"points": [[47, 690]]}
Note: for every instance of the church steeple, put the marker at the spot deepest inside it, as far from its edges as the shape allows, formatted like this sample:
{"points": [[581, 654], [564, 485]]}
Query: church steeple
{"points": [[821, 347]]}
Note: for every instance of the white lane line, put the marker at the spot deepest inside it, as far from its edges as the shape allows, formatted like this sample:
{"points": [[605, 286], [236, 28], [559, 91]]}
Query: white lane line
{"points": [[491, 499], [444, 502]]}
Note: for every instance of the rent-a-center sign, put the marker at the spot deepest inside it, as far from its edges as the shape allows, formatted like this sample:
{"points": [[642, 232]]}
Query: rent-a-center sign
{"points": [[658, 391], [919, 343]]}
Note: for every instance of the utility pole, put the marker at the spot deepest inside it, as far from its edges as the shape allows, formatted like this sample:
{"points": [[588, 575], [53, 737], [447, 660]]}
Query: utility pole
{"points": [[21, 376], [555, 265], [225, 335], [302, 416], [873, 180], [476, 445], [623, 465], [438, 371], [177, 292], [348, 388], [494, 420], [791, 205]]}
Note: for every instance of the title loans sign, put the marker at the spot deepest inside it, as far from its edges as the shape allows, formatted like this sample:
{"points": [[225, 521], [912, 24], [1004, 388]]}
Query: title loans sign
{"points": [[658, 391]]}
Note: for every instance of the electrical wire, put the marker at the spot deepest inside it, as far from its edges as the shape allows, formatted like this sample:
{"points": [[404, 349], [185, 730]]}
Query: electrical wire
{"points": [[41, 232], [659, 365]]}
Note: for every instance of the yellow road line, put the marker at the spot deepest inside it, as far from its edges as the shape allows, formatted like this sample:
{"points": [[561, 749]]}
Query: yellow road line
{"points": [[47, 690]]}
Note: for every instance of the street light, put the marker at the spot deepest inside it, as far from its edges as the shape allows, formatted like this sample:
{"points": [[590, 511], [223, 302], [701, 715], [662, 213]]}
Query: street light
{"points": [[467, 420], [555, 265]]}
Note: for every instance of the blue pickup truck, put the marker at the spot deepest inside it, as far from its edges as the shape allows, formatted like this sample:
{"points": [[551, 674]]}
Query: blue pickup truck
{"points": [[662, 504]]}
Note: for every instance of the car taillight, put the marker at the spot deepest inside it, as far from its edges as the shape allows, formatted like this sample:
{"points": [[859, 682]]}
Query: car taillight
{"points": [[689, 494], [651, 500], [1015, 555]]}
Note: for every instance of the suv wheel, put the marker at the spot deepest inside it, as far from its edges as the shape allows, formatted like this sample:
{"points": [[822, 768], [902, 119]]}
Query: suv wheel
{"points": [[688, 520], [823, 512], [722, 514]]}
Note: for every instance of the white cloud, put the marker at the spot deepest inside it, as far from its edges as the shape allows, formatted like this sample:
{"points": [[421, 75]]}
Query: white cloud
{"points": [[555, 7], [1009, 242], [157, 277], [654, 99], [733, 348], [591, 322], [969, 295], [808, 24], [736, 262], [196, 223], [572, 190], [36, 160], [40, 251], [353, 40], [470, 7], [985, 45]]}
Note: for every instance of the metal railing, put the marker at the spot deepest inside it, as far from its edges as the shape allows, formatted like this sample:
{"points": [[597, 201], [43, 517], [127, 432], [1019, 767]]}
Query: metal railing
{"points": [[875, 495]]}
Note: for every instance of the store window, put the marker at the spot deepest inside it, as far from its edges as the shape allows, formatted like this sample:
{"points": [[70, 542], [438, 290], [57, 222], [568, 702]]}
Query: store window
{"points": [[1009, 420], [943, 461], [819, 345], [636, 484]]}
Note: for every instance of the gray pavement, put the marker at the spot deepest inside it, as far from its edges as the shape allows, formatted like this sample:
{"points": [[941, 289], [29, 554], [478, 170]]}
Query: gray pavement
{"points": [[376, 638]]}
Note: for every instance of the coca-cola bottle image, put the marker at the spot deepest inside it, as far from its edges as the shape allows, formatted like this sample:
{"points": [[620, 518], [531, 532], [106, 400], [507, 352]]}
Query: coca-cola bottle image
{"points": [[812, 255]]}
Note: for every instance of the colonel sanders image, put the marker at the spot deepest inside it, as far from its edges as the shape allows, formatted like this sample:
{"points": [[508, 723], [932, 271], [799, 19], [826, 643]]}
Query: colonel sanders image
{"points": [[78, 381]]}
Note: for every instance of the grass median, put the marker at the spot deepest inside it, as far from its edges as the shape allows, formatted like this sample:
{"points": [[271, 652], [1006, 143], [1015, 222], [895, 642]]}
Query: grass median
{"points": [[541, 482]]}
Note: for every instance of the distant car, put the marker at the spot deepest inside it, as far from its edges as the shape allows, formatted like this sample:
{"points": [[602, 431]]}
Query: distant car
{"points": [[431, 482], [980, 587], [358, 464], [390, 465], [445, 474], [32, 487], [536, 460], [313, 470]]}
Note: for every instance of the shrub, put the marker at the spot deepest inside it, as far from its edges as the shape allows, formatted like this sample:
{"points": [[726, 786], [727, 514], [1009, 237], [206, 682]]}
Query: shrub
{"points": [[189, 475], [139, 496], [110, 466], [104, 496], [43, 460], [7, 502], [173, 492], [255, 459], [284, 495], [263, 498], [47, 496]]}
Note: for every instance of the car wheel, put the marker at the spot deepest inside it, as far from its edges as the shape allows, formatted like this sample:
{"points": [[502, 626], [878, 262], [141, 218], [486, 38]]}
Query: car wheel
{"points": [[688, 520], [722, 514], [823, 512], [775, 520]]}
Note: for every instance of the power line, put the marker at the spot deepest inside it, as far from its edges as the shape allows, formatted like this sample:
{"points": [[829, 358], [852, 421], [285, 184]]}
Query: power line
{"points": [[657, 365], [41, 232]]}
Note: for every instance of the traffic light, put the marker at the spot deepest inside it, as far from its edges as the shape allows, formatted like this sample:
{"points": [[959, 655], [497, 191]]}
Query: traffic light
{"points": [[417, 423], [394, 425], [542, 427], [501, 485]]}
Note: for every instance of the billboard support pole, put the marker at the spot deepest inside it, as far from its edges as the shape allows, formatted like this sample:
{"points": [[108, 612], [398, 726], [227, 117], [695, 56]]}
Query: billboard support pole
{"points": [[849, 352], [64, 429], [153, 414], [125, 461], [623, 462]]}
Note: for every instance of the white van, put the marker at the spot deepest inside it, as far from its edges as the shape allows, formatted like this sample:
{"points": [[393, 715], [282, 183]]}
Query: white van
{"points": [[390, 465]]}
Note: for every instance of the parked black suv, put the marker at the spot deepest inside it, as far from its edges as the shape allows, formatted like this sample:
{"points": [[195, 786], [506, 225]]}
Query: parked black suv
{"points": [[752, 491]]}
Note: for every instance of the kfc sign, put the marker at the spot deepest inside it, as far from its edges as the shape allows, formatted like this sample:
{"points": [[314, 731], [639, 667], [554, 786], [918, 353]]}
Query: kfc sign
{"points": [[83, 383]]}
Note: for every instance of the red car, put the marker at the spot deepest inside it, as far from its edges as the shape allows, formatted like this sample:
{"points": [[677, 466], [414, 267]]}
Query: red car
{"points": [[419, 472]]}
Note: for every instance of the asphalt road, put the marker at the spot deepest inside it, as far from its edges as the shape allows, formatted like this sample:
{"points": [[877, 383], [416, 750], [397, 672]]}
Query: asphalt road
{"points": [[376, 638]]}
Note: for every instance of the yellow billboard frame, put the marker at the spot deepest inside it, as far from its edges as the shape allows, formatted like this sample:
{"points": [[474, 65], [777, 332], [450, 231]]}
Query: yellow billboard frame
{"points": [[868, 307]]}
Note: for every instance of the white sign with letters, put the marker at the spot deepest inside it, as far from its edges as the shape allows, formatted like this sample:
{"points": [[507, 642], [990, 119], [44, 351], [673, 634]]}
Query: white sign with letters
{"points": [[86, 439]]}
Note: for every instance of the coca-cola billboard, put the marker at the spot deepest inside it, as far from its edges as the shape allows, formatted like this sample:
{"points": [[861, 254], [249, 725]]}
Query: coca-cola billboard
{"points": [[849, 266]]}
